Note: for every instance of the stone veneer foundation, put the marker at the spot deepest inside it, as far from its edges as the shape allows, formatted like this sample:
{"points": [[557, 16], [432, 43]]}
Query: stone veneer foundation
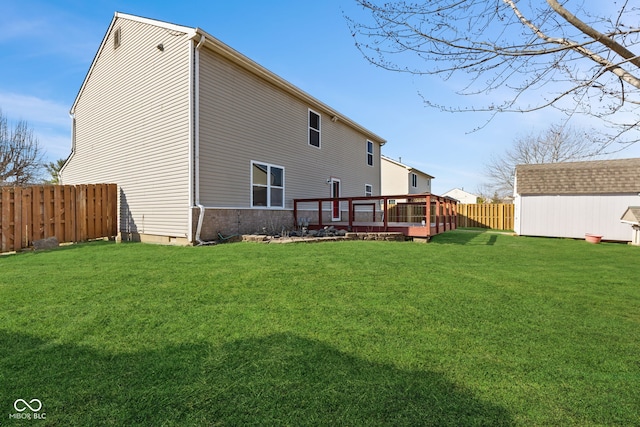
{"points": [[241, 221]]}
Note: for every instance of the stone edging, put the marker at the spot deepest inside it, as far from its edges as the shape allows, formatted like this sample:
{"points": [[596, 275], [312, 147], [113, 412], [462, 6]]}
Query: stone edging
{"points": [[262, 238]]}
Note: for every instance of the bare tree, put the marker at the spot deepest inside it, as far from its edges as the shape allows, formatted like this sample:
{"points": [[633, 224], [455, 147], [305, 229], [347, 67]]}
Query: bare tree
{"points": [[585, 61], [556, 144], [20, 153]]}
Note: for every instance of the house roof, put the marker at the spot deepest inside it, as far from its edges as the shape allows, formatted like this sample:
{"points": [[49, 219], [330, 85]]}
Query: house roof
{"points": [[407, 167], [199, 35], [592, 177], [460, 191]]}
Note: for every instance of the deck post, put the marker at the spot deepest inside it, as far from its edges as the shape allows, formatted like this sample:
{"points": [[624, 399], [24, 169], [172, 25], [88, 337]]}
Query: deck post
{"points": [[437, 215], [351, 214], [320, 213], [385, 214], [295, 214], [427, 214], [451, 204], [451, 215], [455, 215]]}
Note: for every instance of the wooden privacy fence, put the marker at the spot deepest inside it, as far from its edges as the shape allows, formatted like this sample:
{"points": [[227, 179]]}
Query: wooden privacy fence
{"points": [[71, 213], [497, 216]]}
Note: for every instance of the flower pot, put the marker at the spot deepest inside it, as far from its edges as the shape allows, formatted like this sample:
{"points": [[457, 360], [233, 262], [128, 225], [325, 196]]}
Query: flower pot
{"points": [[592, 238]]}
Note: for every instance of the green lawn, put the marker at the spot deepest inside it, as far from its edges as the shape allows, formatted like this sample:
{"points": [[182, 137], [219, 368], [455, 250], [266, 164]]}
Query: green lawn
{"points": [[470, 329]]}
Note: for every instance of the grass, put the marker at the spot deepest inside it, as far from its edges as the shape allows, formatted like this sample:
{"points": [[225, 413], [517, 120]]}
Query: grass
{"points": [[470, 329]]}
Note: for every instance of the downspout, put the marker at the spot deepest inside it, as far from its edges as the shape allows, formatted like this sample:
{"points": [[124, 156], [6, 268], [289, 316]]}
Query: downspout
{"points": [[72, 115], [196, 122]]}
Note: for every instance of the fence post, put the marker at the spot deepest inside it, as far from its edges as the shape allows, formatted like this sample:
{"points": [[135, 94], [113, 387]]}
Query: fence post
{"points": [[26, 219]]}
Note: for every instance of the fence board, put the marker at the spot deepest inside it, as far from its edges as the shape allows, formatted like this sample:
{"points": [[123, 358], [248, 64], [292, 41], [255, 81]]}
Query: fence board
{"points": [[486, 215], [70, 213]]}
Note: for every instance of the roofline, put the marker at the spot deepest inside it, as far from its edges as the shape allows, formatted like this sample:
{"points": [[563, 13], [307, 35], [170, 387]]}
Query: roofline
{"points": [[463, 190], [574, 163], [236, 57], [250, 65], [169, 26], [407, 167]]}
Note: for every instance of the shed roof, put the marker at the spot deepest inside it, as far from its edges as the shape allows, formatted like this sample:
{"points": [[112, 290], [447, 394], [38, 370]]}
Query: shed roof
{"points": [[593, 177]]}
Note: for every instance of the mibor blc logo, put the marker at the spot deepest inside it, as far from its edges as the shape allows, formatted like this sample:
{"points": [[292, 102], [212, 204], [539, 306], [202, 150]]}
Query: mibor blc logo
{"points": [[28, 410]]}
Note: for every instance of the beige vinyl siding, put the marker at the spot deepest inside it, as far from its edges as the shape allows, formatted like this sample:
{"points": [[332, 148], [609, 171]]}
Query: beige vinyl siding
{"points": [[395, 178], [245, 118], [424, 184], [132, 127]]}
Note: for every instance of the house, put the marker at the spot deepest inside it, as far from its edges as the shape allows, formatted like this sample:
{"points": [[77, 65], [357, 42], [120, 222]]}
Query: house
{"points": [[576, 198], [202, 140], [462, 196], [398, 178]]}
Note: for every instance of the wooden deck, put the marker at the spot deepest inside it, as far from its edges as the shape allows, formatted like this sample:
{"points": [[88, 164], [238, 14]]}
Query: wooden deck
{"points": [[414, 215]]}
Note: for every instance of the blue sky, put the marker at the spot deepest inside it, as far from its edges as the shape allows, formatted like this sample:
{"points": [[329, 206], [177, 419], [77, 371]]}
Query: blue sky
{"points": [[46, 49]]}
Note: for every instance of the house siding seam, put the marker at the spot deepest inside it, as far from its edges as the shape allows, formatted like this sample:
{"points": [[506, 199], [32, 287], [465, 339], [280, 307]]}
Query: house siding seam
{"points": [[133, 110]]}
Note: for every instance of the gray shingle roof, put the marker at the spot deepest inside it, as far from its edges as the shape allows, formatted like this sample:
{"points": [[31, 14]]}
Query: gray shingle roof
{"points": [[594, 177]]}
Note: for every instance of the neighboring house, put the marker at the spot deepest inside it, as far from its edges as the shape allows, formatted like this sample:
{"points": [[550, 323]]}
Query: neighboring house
{"points": [[398, 178], [462, 196], [201, 139], [573, 199]]}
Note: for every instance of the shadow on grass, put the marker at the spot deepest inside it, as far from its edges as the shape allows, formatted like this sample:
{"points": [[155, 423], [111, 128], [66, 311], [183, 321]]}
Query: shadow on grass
{"points": [[64, 247], [277, 380], [473, 236]]}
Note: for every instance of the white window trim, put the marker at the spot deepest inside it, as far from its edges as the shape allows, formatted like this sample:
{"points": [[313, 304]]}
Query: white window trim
{"points": [[373, 149], [414, 180], [370, 190], [268, 186], [309, 128]]}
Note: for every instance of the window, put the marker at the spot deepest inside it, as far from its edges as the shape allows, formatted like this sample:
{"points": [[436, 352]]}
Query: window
{"points": [[314, 129], [117, 35], [368, 190], [370, 153], [414, 180], [267, 185]]}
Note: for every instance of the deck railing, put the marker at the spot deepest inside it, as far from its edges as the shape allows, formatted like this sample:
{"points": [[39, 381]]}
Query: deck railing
{"points": [[413, 214]]}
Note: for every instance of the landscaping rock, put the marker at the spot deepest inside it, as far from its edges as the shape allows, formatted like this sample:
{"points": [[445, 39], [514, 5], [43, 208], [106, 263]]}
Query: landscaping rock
{"points": [[48, 243], [254, 238]]}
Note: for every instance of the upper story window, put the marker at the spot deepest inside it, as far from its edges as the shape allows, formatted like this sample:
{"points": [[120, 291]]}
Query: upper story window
{"points": [[370, 153], [267, 185], [414, 180], [117, 38], [314, 129]]}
